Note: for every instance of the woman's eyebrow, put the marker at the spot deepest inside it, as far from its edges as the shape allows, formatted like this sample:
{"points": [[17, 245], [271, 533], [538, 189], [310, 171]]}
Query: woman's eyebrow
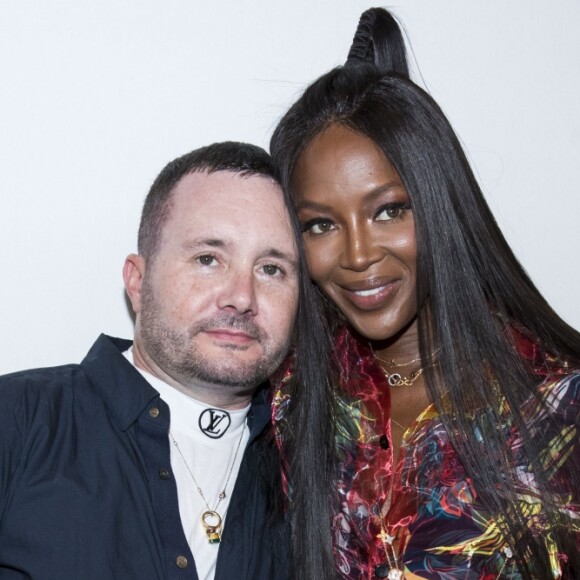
{"points": [[369, 195]]}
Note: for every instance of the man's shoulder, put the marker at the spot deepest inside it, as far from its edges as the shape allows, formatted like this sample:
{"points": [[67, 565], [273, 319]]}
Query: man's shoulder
{"points": [[58, 378], [34, 400], [38, 377], [30, 388]]}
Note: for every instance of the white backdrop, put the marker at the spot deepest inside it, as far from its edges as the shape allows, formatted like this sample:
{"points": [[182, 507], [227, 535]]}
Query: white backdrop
{"points": [[96, 97]]}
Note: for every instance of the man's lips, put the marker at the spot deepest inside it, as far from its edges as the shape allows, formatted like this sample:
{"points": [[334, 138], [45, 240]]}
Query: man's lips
{"points": [[230, 335], [370, 294]]}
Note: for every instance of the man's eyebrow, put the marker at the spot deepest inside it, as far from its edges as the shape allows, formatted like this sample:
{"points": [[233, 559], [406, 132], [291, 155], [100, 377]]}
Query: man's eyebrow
{"points": [[279, 255], [196, 243]]}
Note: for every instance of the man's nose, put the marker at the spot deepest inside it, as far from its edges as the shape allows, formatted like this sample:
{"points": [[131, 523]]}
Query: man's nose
{"points": [[239, 292]]}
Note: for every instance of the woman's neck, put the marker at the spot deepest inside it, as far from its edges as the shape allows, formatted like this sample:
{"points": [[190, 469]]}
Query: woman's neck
{"points": [[402, 348]]}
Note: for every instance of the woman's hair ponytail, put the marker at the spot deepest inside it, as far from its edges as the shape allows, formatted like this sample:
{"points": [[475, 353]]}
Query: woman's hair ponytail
{"points": [[378, 40]]}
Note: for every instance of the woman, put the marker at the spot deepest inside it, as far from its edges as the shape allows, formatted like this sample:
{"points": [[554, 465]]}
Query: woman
{"points": [[456, 415]]}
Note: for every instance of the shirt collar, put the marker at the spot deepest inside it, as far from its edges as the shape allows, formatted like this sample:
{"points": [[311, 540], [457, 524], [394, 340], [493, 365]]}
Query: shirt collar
{"points": [[127, 394]]}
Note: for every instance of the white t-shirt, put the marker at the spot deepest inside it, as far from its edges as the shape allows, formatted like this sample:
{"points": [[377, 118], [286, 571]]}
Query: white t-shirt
{"points": [[208, 438]]}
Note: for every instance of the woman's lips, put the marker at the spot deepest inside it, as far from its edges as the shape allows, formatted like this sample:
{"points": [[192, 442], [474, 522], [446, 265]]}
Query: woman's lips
{"points": [[370, 296]]}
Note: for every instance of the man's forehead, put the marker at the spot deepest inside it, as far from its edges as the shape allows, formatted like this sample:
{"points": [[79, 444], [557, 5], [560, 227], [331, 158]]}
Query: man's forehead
{"points": [[226, 206], [202, 191], [200, 181]]}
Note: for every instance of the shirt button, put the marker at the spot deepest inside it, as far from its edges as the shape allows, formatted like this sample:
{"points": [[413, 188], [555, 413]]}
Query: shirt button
{"points": [[181, 561], [384, 443], [154, 412], [164, 474]]}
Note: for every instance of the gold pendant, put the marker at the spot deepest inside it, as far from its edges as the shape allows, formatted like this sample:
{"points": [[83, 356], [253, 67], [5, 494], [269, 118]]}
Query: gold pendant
{"points": [[212, 522], [213, 536]]}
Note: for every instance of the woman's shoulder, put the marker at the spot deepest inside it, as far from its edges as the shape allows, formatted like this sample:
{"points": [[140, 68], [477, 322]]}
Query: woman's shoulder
{"points": [[560, 394]]}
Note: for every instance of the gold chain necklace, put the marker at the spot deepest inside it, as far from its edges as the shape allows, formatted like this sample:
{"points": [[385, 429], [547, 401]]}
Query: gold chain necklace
{"points": [[211, 520], [389, 569], [392, 363], [392, 568], [398, 424], [397, 379]]}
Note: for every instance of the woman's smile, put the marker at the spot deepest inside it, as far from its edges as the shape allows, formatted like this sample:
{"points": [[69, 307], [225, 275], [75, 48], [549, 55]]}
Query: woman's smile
{"points": [[370, 294]]}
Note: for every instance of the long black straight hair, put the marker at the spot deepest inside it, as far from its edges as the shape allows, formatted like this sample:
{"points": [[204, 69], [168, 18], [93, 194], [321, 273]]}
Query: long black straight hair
{"points": [[474, 291]]}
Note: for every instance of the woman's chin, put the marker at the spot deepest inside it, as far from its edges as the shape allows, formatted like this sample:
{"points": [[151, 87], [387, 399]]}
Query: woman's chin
{"points": [[381, 332]]}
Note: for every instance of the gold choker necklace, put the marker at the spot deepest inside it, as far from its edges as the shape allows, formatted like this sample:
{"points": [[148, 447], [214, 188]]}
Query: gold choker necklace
{"points": [[393, 363]]}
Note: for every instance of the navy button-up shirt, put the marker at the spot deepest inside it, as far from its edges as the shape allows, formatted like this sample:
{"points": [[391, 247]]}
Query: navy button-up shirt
{"points": [[86, 487]]}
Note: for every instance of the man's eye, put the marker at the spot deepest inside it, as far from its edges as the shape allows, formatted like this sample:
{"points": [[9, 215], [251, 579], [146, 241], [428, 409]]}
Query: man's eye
{"points": [[206, 260], [272, 270], [318, 226]]}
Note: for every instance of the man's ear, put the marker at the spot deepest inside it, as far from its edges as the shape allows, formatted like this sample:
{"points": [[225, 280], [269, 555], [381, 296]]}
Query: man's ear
{"points": [[133, 273]]}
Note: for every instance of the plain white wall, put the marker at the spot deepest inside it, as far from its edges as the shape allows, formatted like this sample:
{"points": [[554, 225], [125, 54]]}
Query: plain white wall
{"points": [[96, 97]]}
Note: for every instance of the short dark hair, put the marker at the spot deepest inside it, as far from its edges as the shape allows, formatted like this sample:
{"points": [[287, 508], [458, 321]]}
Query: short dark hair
{"points": [[241, 158]]}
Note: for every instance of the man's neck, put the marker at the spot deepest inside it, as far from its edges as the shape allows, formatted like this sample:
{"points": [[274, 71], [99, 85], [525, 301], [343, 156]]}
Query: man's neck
{"points": [[211, 394]]}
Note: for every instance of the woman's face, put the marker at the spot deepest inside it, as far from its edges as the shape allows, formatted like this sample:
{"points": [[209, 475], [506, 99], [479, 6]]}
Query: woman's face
{"points": [[359, 231]]}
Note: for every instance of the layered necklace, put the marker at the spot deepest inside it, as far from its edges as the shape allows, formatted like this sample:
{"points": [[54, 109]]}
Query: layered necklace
{"points": [[211, 519], [397, 379], [392, 568]]}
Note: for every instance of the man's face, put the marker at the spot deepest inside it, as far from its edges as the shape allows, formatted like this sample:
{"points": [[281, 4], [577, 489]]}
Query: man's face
{"points": [[218, 299]]}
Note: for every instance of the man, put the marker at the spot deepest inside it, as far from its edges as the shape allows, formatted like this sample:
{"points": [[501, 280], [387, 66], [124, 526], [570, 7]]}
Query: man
{"points": [[151, 460]]}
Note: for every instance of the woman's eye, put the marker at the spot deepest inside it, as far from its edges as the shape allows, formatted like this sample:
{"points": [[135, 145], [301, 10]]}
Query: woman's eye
{"points": [[318, 226], [391, 212]]}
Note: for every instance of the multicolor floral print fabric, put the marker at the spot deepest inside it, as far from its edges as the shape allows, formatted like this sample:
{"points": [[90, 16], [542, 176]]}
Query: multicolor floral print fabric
{"points": [[426, 505]]}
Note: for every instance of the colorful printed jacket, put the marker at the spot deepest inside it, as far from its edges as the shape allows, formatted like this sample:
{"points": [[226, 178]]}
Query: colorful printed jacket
{"points": [[431, 512]]}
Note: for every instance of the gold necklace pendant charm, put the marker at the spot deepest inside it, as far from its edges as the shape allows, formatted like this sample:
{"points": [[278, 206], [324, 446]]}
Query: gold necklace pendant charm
{"points": [[210, 519], [213, 536], [385, 571], [212, 522], [394, 379], [389, 569], [398, 380]]}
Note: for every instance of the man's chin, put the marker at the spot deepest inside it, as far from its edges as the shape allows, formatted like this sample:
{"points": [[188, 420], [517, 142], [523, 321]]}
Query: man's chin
{"points": [[237, 369], [234, 379]]}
